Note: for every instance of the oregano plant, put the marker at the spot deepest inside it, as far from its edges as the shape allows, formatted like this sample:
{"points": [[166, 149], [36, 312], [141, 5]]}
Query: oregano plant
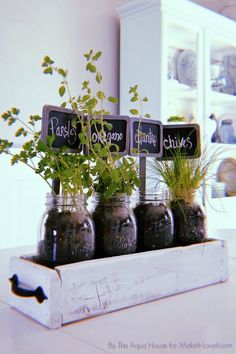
{"points": [[110, 173], [100, 168]]}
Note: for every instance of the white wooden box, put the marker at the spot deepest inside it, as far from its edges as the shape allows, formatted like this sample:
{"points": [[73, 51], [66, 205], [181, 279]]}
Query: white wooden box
{"points": [[85, 289]]}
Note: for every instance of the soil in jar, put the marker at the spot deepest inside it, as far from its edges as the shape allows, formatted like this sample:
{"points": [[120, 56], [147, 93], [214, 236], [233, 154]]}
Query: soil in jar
{"points": [[189, 221], [155, 226], [116, 230], [68, 237]]}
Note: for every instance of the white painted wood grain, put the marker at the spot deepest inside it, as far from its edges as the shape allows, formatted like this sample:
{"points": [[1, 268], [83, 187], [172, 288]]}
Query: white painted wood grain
{"points": [[100, 286], [85, 289], [33, 275]]}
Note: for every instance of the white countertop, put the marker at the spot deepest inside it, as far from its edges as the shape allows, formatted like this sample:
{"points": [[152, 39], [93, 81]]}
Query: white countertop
{"points": [[198, 321]]}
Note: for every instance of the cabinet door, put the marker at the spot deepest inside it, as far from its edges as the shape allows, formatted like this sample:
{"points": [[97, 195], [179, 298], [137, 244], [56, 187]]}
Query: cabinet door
{"points": [[182, 82], [220, 125]]}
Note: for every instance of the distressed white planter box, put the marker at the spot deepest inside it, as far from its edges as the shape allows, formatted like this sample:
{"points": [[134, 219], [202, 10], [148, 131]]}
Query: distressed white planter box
{"points": [[85, 289]]}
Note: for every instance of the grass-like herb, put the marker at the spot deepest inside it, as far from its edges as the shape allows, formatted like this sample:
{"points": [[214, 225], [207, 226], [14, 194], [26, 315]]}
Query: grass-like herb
{"points": [[184, 176]]}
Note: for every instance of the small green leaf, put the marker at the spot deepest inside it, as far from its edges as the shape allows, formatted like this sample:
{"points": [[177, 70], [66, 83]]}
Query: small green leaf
{"points": [[83, 138], [99, 78], [108, 126], [48, 60], [11, 121], [145, 99], [48, 70], [5, 116], [62, 72], [134, 112], [41, 146], [50, 139], [101, 95], [88, 55], [85, 85], [103, 152], [62, 90], [20, 131], [15, 110], [134, 98], [63, 105], [74, 106], [97, 55], [91, 67], [86, 98], [92, 102], [133, 89], [147, 115], [112, 99]]}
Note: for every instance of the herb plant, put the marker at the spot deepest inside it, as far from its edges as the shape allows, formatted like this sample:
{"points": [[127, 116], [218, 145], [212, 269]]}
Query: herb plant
{"points": [[100, 168], [71, 169], [183, 176], [111, 174]]}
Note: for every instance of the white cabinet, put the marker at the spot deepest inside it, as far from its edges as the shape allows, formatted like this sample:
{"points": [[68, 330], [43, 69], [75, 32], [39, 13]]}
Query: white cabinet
{"points": [[183, 58], [157, 47]]}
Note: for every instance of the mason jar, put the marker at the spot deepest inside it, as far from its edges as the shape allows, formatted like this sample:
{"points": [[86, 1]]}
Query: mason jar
{"points": [[66, 232], [189, 218], [115, 225], [154, 221]]}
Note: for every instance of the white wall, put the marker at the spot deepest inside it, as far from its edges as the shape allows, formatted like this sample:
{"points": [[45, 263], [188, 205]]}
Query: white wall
{"points": [[63, 29], [30, 29]]}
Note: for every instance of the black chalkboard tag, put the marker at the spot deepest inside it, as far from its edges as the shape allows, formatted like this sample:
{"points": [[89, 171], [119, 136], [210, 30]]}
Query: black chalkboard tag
{"points": [[181, 138], [145, 137], [117, 134], [57, 121]]}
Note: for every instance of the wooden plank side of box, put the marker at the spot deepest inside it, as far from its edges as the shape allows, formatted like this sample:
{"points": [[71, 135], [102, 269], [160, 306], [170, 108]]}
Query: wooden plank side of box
{"points": [[99, 286], [31, 275]]}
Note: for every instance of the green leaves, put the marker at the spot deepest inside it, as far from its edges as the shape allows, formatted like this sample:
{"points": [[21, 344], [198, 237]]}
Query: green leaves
{"points": [[101, 95], [47, 61], [112, 99], [50, 140], [116, 175], [20, 131], [5, 145], [91, 67], [136, 97], [90, 56], [98, 169], [62, 72], [99, 78], [15, 111], [47, 65], [48, 70], [62, 90], [134, 112], [97, 56], [33, 119]]}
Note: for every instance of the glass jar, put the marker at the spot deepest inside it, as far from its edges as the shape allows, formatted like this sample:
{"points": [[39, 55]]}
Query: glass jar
{"points": [[154, 221], [115, 225], [189, 218], [67, 232]]}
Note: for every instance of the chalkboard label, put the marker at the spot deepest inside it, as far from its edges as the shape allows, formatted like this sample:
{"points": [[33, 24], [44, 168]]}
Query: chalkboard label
{"points": [[118, 134], [181, 138], [145, 137], [57, 121]]}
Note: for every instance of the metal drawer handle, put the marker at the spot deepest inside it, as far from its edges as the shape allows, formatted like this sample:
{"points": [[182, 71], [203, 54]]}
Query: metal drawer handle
{"points": [[17, 290]]}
